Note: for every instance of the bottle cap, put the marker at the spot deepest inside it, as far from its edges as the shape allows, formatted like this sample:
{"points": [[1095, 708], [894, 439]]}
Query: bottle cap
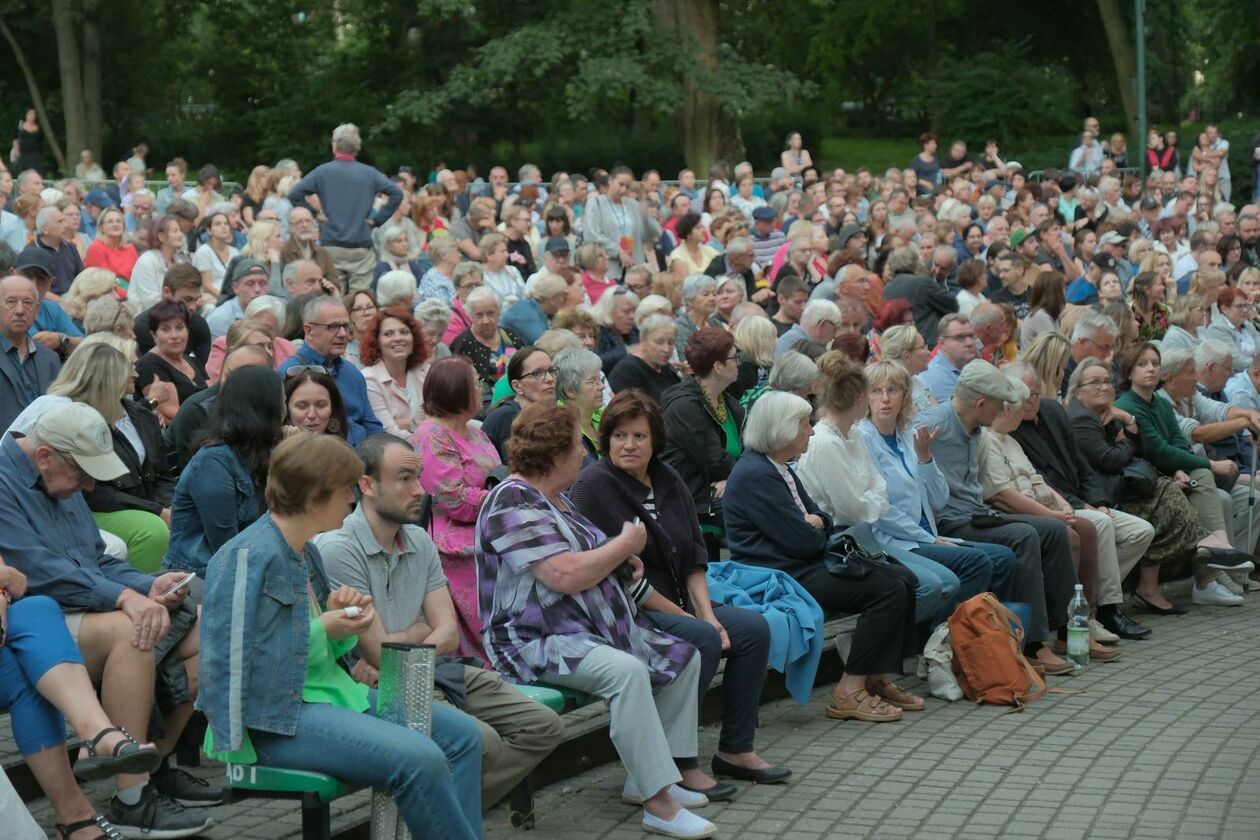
{"points": [[1080, 587]]}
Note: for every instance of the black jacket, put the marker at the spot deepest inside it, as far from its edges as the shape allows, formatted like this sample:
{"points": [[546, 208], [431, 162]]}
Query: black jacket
{"points": [[1099, 446], [148, 485], [929, 301], [609, 497], [1050, 447], [695, 442]]}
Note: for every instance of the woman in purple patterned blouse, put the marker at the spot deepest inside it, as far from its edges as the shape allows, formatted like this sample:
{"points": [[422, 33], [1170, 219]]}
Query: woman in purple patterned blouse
{"points": [[457, 458], [554, 607]]}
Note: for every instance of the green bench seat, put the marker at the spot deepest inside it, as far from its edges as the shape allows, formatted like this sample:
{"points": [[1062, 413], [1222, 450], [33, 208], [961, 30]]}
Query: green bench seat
{"points": [[316, 790]]}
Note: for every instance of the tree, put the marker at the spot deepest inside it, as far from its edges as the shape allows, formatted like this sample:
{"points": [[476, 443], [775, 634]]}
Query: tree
{"points": [[1120, 39], [80, 68], [37, 99]]}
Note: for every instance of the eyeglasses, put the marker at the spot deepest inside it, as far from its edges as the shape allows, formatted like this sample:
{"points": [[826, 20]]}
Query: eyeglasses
{"points": [[72, 464], [296, 369], [540, 374], [359, 310], [340, 326], [884, 392], [1097, 383]]}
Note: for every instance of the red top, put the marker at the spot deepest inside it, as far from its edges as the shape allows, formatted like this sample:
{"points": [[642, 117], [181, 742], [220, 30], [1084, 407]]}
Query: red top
{"points": [[118, 260]]}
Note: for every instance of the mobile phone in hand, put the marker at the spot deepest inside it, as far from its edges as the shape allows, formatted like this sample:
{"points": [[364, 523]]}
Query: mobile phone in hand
{"points": [[182, 583]]}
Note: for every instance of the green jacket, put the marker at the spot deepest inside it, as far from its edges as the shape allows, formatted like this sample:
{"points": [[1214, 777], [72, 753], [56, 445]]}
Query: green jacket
{"points": [[1163, 443]]}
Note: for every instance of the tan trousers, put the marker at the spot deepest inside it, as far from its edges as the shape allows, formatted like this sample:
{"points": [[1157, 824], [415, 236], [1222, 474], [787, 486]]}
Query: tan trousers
{"points": [[356, 266], [1122, 540]]}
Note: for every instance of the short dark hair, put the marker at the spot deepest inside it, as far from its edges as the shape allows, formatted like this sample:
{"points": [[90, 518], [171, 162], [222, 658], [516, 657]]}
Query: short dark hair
{"points": [[307, 469], [686, 224], [541, 434], [790, 285], [181, 276], [630, 405], [448, 387], [371, 451], [168, 309], [706, 347]]}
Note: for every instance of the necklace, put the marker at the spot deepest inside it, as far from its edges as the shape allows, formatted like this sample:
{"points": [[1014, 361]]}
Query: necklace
{"points": [[718, 406]]}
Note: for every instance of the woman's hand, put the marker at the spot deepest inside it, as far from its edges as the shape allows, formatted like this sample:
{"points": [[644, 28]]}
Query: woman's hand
{"points": [[289, 431], [636, 564], [719, 488], [634, 535], [1182, 479], [348, 596], [815, 520], [403, 423], [923, 437], [339, 626], [712, 621], [158, 390]]}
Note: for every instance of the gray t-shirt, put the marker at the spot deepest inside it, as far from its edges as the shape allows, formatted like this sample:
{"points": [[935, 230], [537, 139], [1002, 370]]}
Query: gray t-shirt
{"points": [[957, 454], [397, 580]]}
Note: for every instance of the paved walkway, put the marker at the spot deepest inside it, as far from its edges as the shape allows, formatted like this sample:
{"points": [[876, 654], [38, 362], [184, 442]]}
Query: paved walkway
{"points": [[1165, 743]]}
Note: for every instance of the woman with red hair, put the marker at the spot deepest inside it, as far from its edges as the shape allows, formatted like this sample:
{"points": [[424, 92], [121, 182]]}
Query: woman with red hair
{"points": [[395, 360], [890, 314]]}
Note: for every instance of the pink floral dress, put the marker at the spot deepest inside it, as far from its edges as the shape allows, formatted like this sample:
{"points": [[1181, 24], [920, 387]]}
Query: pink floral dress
{"points": [[454, 474]]}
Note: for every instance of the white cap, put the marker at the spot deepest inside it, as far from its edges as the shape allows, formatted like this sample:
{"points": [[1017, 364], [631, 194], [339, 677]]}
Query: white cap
{"points": [[79, 432]]}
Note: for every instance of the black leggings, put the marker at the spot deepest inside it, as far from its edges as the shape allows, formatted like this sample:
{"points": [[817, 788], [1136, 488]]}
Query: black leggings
{"points": [[885, 601]]}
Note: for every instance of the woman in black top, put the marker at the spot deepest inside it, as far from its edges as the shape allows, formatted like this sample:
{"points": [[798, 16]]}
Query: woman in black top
{"points": [[533, 380], [647, 365], [633, 482], [28, 142], [169, 360]]}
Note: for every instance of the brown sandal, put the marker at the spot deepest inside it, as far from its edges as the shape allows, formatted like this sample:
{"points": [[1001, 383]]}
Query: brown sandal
{"points": [[861, 705], [897, 696]]}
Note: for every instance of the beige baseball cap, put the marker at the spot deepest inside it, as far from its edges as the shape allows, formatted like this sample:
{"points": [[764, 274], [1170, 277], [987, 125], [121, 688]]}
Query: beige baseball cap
{"points": [[79, 431], [988, 381]]}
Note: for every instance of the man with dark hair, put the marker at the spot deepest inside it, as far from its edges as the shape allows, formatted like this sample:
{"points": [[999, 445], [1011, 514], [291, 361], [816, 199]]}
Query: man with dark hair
{"points": [[183, 283], [791, 295], [382, 551]]}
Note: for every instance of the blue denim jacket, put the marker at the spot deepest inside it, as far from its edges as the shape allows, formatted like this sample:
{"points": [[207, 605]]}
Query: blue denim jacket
{"points": [[214, 501], [255, 629]]}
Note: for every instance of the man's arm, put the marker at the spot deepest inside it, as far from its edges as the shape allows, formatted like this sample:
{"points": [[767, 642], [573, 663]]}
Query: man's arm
{"points": [[395, 197], [437, 628]]}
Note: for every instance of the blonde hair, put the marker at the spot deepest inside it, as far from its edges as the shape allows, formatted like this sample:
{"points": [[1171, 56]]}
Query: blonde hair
{"points": [[90, 284], [652, 305], [95, 374], [756, 337], [240, 330], [256, 242], [896, 341], [895, 374], [1047, 355], [106, 314], [1187, 309]]}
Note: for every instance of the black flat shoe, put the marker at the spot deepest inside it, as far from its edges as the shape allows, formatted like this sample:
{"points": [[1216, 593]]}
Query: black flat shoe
{"points": [[767, 776], [1123, 626], [1172, 610], [1224, 559], [720, 792]]}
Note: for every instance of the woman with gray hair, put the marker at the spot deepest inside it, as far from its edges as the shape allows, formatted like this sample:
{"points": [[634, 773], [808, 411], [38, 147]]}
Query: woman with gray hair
{"points": [[793, 372], [395, 249], [433, 316], [111, 315], [615, 314], [647, 365], [580, 383], [396, 288], [771, 520], [699, 297]]}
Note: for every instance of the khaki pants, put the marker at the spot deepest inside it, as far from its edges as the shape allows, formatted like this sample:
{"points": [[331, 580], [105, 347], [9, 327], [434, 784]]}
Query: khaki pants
{"points": [[356, 266], [1122, 540], [516, 732]]}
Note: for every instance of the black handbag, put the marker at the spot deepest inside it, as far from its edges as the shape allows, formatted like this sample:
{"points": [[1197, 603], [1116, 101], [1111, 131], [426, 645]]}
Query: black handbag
{"points": [[1139, 480], [846, 557]]}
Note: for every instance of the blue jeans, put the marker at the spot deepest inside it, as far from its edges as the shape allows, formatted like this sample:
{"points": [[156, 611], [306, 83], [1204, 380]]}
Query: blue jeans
{"points": [[38, 640], [436, 782], [978, 567]]}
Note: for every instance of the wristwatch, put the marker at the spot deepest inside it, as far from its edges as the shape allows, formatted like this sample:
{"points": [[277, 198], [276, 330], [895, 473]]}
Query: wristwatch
{"points": [[65, 344]]}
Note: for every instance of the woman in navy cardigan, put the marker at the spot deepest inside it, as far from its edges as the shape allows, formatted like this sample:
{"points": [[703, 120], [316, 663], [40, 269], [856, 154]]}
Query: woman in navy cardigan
{"points": [[771, 521], [632, 481]]}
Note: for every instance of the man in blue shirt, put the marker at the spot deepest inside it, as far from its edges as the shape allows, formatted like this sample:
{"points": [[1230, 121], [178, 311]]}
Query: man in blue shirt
{"points": [[955, 348], [326, 327], [347, 190], [27, 368], [122, 620], [52, 327]]}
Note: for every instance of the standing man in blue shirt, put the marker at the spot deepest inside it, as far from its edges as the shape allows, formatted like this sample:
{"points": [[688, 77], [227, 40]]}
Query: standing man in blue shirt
{"points": [[326, 327], [347, 189]]}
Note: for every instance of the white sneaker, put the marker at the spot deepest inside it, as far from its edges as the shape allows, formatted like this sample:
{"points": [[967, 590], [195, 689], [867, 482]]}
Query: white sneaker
{"points": [[1215, 595], [1226, 579], [1101, 634], [686, 798], [685, 825]]}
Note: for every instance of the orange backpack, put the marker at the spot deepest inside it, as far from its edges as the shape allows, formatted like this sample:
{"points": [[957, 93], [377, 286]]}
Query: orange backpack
{"points": [[989, 662]]}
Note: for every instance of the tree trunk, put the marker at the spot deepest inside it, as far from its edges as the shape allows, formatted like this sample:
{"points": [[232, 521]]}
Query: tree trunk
{"points": [[71, 77], [37, 101], [93, 108], [1120, 39], [708, 135]]}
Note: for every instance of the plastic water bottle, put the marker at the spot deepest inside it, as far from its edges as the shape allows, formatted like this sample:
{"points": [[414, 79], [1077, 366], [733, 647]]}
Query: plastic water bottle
{"points": [[1078, 630]]}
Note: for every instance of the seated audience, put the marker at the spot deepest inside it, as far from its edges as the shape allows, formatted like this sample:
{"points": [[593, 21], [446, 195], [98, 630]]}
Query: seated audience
{"points": [[395, 357], [955, 348], [580, 383], [616, 316], [247, 279], [530, 317], [754, 347], [28, 367], [555, 610], [902, 343], [532, 379], [772, 521], [381, 552], [699, 297], [219, 493], [312, 404], [1232, 326], [647, 365], [457, 459], [486, 344], [181, 283], [820, 322], [170, 360], [193, 415], [274, 693]]}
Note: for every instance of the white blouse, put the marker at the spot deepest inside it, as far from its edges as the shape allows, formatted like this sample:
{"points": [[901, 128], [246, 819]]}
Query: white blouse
{"points": [[839, 475]]}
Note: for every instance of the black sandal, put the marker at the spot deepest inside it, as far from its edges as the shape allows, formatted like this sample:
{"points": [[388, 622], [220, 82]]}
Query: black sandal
{"points": [[128, 757], [108, 832]]}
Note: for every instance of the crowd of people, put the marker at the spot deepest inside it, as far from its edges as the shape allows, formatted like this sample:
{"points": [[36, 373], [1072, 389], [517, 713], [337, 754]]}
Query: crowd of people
{"points": [[250, 438]]}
